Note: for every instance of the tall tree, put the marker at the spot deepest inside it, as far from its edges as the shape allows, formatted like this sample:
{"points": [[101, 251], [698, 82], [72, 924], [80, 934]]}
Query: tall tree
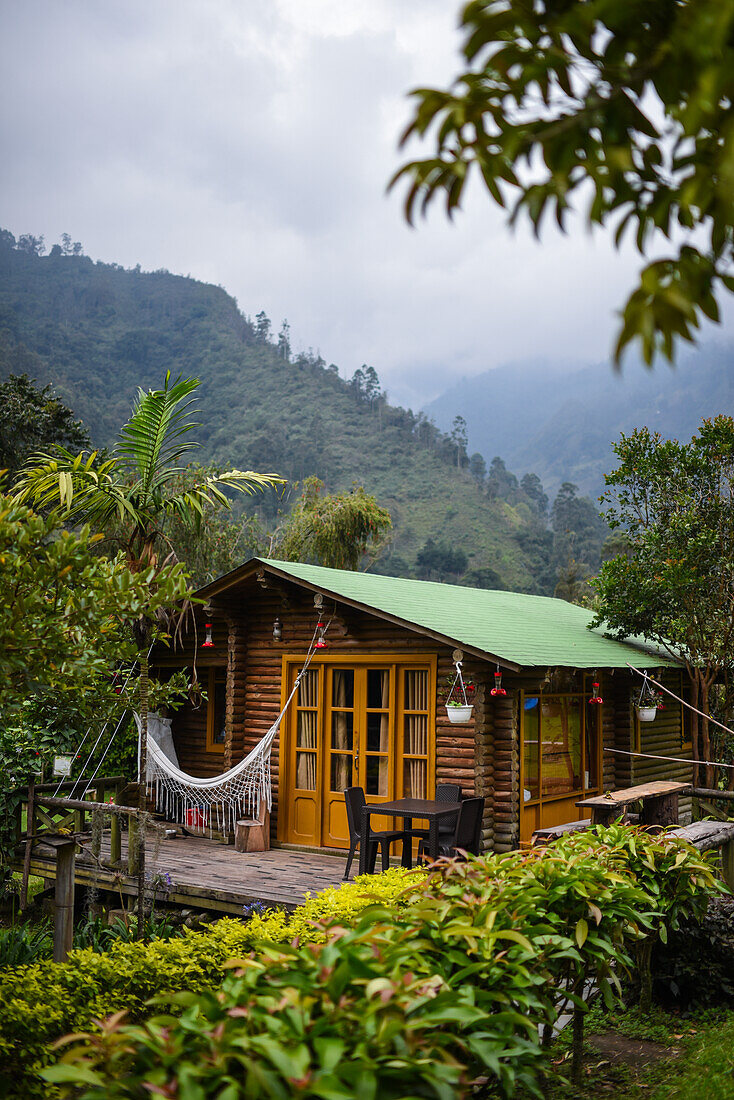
{"points": [[284, 342], [673, 581], [372, 389], [478, 469], [262, 327], [501, 482], [460, 440], [63, 614], [532, 487], [33, 419], [340, 530], [34, 246], [624, 107]]}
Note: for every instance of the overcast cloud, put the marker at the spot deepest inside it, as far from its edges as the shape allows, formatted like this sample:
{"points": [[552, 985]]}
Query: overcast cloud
{"points": [[249, 143]]}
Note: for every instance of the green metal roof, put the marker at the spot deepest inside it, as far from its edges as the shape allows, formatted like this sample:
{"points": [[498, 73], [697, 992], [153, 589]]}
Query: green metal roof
{"points": [[511, 626]]}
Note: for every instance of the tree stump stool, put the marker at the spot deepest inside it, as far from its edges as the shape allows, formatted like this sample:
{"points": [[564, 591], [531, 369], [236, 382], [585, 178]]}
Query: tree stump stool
{"points": [[253, 835]]}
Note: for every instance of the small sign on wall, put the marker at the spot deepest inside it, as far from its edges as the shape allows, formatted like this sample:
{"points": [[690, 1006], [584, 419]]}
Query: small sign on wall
{"points": [[62, 766]]}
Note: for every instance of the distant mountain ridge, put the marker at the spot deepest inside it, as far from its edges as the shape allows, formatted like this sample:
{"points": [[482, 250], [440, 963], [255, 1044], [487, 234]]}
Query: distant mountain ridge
{"points": [[98, 331], [561, 425]]}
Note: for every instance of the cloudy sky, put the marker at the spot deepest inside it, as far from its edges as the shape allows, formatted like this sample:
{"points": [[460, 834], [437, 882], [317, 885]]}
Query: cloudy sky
{"points": [[249, 143]]}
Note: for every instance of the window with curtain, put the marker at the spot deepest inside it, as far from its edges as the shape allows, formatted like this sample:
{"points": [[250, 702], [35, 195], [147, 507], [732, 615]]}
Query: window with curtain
{"points": [[342, 728], [415, 733], [307, 726], [377, 742]]}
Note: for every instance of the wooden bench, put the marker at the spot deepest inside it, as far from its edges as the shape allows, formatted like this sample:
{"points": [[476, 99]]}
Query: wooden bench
{"points": [[659, 803]]}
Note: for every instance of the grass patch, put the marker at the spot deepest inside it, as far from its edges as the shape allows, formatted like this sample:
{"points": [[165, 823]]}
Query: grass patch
{"points": [[660, 1056]]}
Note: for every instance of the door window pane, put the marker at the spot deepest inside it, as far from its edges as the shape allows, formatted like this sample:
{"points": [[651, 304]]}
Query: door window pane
{"points": [[378, 688], [341, 771], [378, 732], [306, 771], [377, 777], [416, 689], [308, 689], [560, 736], [342, 688], [306, 730], [342, 730], [531, 734], [416, 735], [415, 773]]}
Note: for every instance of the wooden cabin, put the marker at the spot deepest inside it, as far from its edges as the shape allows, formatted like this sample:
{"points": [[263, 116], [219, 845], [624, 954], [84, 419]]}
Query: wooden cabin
{"points": [[368, 710]]}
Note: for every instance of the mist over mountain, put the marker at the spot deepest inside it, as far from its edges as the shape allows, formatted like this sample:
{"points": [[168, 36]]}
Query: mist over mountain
{"points": [[561, 425], [98, 331]]}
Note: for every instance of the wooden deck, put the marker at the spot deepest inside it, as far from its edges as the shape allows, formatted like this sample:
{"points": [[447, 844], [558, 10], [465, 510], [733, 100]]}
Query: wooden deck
{"points": [[206, 874]]}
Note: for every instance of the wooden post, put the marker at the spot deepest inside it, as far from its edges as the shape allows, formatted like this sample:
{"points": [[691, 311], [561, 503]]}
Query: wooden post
{"points": [[606, 815], [132, 845], [660, 810], [141, 878], [727, 863], [30, 813], [64, 900], [115, 839]]}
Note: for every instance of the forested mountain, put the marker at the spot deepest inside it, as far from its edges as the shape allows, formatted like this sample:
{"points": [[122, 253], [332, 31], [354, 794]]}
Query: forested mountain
{"points": [[98, 331], [560, 424]]}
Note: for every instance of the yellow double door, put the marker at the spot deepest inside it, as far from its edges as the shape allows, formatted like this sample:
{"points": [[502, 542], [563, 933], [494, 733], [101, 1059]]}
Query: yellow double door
{"points": [[352, 724]]}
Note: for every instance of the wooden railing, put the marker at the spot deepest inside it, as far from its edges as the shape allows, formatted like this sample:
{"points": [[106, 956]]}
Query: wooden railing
{"points": [[50, 812], [58, 820]]}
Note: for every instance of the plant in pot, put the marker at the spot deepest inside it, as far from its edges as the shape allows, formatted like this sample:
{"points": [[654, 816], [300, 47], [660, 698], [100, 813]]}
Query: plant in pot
{"points": [[458, 698], [648, 703]]}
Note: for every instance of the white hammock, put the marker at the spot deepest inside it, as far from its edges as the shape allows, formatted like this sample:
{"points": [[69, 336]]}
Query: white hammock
{"points": [[221, 800]]}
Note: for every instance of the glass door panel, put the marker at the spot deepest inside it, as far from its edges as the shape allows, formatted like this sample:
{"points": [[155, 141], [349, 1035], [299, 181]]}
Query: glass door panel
{"points": [[303, 797], [560, 759], [342, 683], [375, 771]]}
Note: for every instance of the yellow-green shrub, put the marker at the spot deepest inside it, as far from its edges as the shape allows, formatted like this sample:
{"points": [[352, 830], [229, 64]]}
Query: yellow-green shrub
{"points": [[40, 1002]]}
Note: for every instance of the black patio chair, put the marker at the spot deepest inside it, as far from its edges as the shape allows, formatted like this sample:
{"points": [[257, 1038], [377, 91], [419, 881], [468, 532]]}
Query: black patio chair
{"points": [[467, 832], [354, 798], [445, 792]]}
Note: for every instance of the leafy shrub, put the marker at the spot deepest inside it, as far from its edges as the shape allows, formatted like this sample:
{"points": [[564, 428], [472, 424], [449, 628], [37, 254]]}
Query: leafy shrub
{"points": [[455, 977], [457, 985], [24, 943], [96, 934], [39, 1003]]}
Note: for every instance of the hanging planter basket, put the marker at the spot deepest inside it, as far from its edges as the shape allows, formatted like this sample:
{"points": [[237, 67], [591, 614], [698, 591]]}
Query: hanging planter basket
{"points": [[459, 716], [647, 714]]}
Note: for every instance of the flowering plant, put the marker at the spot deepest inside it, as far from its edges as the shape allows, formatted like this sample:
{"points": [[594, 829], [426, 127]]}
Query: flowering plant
{"points": [[648, 697], [450, 693]]}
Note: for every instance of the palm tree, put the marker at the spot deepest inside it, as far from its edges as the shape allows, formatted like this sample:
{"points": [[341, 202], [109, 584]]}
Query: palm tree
{"points": [[130, 494]]}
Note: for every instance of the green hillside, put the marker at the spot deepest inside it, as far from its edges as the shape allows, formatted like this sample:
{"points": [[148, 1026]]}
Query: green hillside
{"points": [[98, 331]]}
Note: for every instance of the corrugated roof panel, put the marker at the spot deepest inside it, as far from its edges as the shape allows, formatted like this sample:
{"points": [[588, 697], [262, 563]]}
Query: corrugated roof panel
{"points": [[524, 630]]}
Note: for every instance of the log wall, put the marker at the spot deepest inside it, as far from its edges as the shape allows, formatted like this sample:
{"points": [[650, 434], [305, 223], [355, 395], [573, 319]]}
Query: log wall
{"points": [[243, 635], [483, 757]]}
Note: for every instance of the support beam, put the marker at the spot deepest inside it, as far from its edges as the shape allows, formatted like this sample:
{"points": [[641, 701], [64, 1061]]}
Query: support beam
{"points": [[64, 900]]}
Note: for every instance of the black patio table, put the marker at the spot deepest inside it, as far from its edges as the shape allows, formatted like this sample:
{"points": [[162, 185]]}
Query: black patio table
{"points": [[407, 808]]}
